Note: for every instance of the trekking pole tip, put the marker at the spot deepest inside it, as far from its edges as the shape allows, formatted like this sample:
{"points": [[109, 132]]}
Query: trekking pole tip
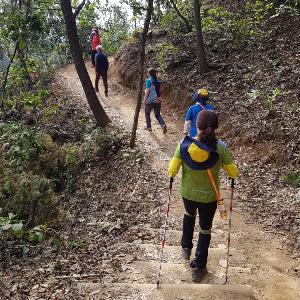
{"points": [[171, 182], [232, 183]]}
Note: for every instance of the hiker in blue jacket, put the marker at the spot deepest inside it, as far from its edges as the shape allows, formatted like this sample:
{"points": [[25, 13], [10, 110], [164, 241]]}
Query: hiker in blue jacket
{"points": [[152, 100], [101, 67], [190, 126]]}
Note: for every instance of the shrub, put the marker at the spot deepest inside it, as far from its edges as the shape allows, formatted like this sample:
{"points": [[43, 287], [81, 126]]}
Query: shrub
{"points": [[166, 50], [27, 195], [293, 178], [99, 142]]}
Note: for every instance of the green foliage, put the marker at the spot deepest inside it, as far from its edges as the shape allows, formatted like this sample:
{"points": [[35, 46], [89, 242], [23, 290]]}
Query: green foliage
{"points": [[19, 192], [214, 18], [37, 33], [21, 143], [254, 94], [293, 178], [117, 29], [99, 143], [86, 20], [237, 27], [37, 233], [166, 49], [34, 169], [260, 10], [270, 99], [11, 225], [172, 23]]}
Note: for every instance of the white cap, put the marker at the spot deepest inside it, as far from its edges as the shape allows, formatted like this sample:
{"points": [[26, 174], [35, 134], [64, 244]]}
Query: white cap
{"points": [[99, 48]]}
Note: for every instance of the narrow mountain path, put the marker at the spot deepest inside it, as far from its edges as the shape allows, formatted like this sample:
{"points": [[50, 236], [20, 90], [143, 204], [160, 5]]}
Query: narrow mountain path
{"points": [[259, 266]]}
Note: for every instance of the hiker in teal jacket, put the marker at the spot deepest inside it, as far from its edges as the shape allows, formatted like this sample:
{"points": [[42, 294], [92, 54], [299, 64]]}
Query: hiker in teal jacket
{"points": [[195, 156], [153, 101]]}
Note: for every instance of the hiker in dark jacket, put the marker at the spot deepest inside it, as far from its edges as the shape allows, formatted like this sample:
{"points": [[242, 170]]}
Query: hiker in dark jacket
{"points": [[101, 64]]}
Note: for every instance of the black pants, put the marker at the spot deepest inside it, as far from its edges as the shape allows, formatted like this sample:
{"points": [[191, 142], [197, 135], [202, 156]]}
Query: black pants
{"points": [[158, 116], [206, 215], [104, 78], [93, 55]]}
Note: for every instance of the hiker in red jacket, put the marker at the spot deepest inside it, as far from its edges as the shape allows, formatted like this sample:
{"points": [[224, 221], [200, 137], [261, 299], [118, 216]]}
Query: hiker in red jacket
{"points": [[95, 40]]}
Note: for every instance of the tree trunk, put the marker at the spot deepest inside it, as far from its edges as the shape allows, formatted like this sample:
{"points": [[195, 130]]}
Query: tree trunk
{"points": [[93, 101], [202, 63], [141, 72]]}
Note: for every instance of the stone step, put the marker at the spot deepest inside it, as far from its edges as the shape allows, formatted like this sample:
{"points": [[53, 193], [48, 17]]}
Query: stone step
{"points": [[146, 257], [173, 237], [119, 291], [176, 270], [151, 252]]}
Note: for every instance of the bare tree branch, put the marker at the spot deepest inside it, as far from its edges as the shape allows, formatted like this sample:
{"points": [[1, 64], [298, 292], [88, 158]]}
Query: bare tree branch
{"points": [[185, 19], [79, 8], [7, 70]]}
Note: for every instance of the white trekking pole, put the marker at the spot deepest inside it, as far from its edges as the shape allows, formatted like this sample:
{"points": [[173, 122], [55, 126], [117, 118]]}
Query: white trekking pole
{"points": [[229, 229], [164, 235]]}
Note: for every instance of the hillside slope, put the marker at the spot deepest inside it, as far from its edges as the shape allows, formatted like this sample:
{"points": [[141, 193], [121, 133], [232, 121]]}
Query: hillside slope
{"points": [[258, 100]]}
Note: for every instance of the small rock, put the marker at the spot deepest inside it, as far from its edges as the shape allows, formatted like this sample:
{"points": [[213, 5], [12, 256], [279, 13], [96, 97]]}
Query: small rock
{"points": [[223, 263], [107, 279], [35, 287], [128, 258], [297, 242], [297, 196], [221, 246]]}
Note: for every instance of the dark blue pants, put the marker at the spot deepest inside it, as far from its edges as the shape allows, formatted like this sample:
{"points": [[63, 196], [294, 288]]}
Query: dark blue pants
{"points": [[104, 78], [93, 55], [148, 109], [206, 215]]}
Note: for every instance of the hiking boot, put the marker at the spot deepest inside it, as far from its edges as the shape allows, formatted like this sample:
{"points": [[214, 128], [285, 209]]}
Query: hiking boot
{"points": [[106, 93], [148, 128], [186, 253], [164, 129], [198, 274]]}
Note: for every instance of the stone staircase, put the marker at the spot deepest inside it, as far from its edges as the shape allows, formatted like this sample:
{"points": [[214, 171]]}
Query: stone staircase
{"points": [[136, 278]]}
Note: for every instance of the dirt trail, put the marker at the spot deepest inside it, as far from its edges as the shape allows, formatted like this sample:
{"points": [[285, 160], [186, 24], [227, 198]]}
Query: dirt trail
{"points": [[258, 258]]}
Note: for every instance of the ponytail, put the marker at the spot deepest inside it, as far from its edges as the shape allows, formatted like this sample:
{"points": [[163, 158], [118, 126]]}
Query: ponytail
{"points": [[208, 137]]}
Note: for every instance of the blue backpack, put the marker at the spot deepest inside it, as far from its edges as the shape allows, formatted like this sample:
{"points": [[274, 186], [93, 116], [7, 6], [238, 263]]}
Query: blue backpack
{"points": [[154, 92]]}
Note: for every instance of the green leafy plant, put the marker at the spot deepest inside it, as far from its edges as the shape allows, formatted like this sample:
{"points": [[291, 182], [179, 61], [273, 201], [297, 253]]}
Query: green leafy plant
{"points": [[293, 178], [259, 9], [270, 100], [215, 18], [166, 49], [11, 224], [99, 143], [22, 144], [37, 233]]}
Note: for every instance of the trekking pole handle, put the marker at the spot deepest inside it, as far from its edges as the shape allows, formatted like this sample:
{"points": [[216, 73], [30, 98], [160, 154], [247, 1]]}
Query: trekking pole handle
{"points": [[232, 183], [171, 183]]}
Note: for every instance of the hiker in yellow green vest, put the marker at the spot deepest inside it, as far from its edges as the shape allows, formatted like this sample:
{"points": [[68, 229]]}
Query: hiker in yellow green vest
{"points": [[196, 156]]}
